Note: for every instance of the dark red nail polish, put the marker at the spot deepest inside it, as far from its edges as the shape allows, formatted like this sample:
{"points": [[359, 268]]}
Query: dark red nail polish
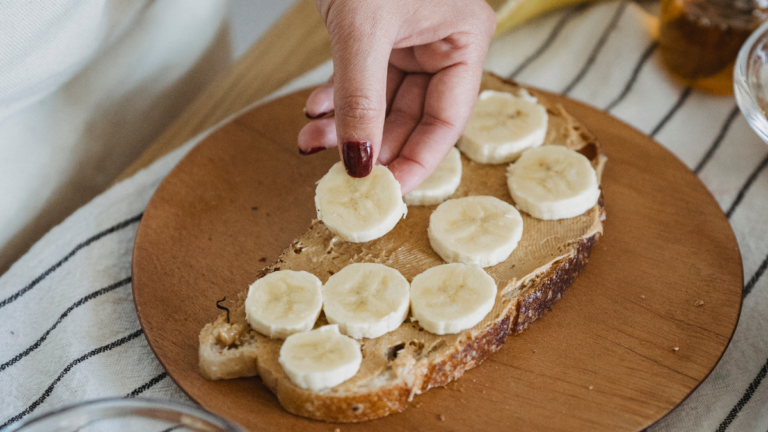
{"points": [[313, 150], [317, 116], [358, 158]]}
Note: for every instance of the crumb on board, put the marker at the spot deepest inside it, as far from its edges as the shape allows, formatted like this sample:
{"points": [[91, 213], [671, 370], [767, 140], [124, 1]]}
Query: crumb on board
{"points": [[676, 348], [699, 303], [591, 387], [441, 417], [337, 430], [263, 259], [642, 296]]}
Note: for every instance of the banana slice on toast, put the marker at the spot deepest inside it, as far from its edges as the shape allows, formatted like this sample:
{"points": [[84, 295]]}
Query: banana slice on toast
{"points": [[441, 184], [553, 182], [321, 358], [479, 230], [503, 126], [283, 303], [366, 300], [452, 297]]}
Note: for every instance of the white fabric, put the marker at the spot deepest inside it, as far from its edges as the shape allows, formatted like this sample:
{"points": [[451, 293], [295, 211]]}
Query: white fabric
{"points": [[690, 133], [121, 70], [46, 43]]}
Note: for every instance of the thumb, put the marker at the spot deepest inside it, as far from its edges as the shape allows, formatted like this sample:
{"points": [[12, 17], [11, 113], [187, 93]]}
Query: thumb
{"points": [[361, 49]]}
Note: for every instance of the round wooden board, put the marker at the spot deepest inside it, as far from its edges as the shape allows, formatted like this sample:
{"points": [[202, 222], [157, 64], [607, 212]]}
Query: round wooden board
{"points": [[624, 346]]}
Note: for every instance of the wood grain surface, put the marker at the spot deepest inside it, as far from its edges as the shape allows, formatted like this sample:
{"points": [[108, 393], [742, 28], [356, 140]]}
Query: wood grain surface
{"points": [[624, 346]]}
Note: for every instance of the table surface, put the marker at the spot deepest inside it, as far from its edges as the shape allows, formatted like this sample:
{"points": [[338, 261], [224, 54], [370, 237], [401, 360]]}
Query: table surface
{"points": [[625, 345]]}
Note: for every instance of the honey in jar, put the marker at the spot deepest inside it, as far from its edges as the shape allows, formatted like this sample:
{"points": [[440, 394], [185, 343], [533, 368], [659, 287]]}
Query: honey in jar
{"points": [[700, 39]]}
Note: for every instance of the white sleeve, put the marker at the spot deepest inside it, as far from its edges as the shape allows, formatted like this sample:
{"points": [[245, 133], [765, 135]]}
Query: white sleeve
{"points": [[44, 44]]}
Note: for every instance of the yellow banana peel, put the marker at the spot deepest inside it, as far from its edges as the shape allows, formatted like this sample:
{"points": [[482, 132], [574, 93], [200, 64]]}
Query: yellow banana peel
{"points": [[510, 13]]}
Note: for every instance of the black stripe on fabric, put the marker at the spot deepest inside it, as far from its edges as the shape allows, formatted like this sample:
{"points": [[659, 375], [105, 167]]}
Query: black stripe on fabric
{"points": [[147, 385], [744, 399], [69, 310], [680, 101], [745, 188], [635, 73], [172, 428], [72, 253], [66, 370], [597, 48], [573, 13], [756, 277], [716, 143]]}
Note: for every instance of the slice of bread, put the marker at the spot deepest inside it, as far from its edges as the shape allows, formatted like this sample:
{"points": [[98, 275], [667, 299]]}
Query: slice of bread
{"points": [[409, 360]]}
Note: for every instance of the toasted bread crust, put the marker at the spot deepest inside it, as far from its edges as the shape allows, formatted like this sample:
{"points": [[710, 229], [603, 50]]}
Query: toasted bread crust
{"points": [[539, 300]]}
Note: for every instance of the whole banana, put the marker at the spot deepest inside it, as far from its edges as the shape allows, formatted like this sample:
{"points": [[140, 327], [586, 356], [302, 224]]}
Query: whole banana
{"points": [[510, 13]]}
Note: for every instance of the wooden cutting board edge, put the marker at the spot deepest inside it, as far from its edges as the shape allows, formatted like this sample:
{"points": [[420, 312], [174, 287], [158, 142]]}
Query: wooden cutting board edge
{"points": [[570, 104]]}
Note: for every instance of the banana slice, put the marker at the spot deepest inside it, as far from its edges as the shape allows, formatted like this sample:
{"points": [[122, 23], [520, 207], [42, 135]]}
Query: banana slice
{"points": [[450, 298], [479, 230], [553, 182], [366, 299], [283, 303], [359, 209], [441, 184], [321, 358], [502, 126]]}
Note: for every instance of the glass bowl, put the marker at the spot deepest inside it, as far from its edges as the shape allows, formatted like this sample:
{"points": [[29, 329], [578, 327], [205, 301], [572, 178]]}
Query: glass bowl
{"points": [[750, 80], [122, 414]]}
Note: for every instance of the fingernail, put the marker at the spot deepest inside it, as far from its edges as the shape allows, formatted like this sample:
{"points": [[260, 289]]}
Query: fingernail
{"points": [[358, 158], [313, 150], [317, 116]]}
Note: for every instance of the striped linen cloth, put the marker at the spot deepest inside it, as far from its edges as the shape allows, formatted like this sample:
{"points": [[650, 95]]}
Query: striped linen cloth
{"points": [[69, 331]]}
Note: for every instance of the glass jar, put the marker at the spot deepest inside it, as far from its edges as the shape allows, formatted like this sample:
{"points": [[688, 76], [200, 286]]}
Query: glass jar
{"points": [[126, 415], [699, 39]]}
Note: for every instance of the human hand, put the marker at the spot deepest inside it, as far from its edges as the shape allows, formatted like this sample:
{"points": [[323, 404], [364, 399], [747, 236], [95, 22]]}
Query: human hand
{"points": [[406, 77]]}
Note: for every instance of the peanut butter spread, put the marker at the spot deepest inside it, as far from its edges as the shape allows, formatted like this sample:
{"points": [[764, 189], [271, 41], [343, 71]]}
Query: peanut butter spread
{"points": [[410, 360]]}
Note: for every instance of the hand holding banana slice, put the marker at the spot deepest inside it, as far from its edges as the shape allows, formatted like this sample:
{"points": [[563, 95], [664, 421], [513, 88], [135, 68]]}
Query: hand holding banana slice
{"points": [[366, 299], [359, 209], [283, 303], [553, 182], [321, 358]]}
